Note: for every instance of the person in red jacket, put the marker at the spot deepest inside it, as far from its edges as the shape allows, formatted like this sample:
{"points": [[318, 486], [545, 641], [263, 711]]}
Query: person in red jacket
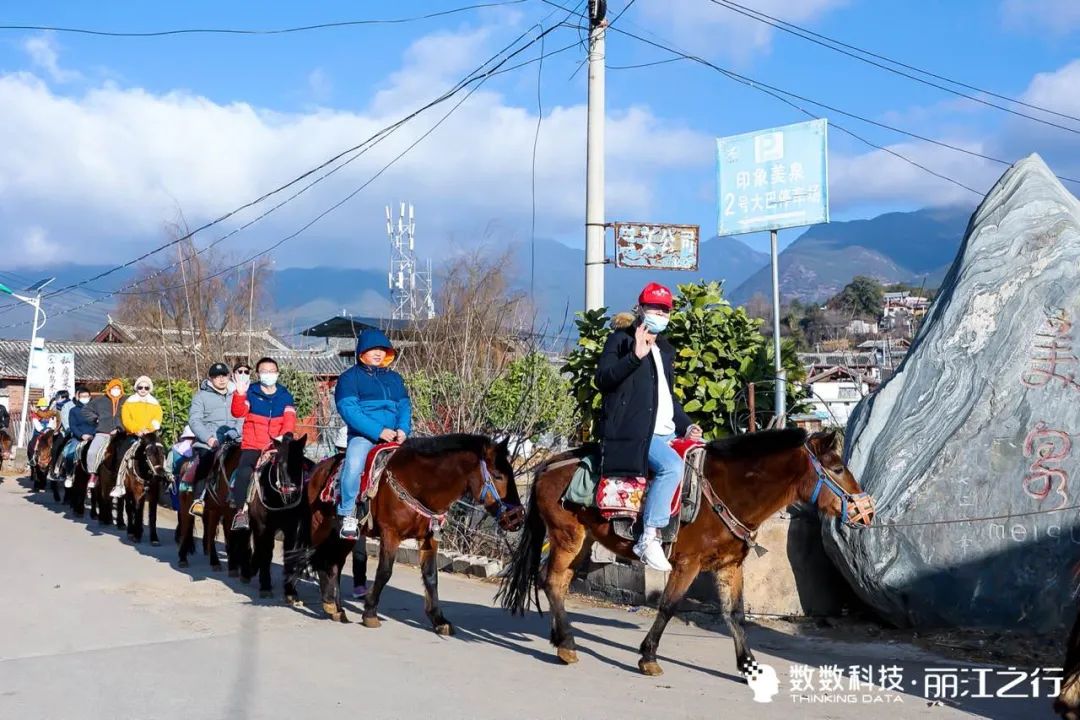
{"points": [[269, 414]]}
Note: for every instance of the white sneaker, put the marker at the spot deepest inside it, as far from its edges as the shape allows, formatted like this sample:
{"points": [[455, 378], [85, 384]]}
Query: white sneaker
{"points": [[69, 482], [349, 528], [118, 492], [650, 551]]}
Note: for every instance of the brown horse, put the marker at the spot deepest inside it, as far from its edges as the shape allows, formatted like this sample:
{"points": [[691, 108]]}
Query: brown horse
{"points": [[142, 478], [5, 447], [108, 476], [40, 456], [1067, 703], [747, 479], [420, 483], [216, 511]]}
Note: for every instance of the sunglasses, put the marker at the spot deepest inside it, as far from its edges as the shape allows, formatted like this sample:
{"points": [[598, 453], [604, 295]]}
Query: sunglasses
{"points": [[142, 387], [242, 372]]}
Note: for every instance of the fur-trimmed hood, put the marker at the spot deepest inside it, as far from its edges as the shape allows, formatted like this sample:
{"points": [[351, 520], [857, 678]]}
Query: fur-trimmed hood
{"points": [[623, 320]]}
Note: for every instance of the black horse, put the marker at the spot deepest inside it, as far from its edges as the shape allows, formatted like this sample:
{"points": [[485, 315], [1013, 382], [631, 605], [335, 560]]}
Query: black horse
{"points": [[278, 503], [142, 473]]}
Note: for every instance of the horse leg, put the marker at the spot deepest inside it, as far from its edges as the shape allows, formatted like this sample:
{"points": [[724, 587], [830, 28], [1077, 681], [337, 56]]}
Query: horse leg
{"points": [[55, 486], [429, 571], [210, 525], [388, 547], [185, 529], [153, 521], [264, 555], [675, 590], [120, 524], [289, 552], [565, 546], [729, 584]]}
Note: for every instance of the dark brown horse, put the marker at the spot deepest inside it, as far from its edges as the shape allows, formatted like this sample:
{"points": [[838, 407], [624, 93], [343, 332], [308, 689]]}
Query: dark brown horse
{"points": [[108, 475], [1067, 703], [216, 511], [142, 475], [747, 479], [421, 481], [278, 503], [80, 476]]}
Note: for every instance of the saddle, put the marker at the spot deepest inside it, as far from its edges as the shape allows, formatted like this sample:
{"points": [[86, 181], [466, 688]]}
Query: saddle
{"points": [[374, 467], [620, 499]]}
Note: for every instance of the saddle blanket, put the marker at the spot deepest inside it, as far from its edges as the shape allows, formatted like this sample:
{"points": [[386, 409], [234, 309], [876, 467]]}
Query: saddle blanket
{"points": [[374, 466], [622, 497]]}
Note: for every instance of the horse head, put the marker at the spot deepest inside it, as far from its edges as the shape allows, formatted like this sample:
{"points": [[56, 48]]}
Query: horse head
{"points": [[844, 497], [149, 463], [288, 468], [494, 486], [5, 445]]}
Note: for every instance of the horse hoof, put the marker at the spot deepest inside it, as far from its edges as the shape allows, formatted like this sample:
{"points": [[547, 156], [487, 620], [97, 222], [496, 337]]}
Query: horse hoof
{"points": [[266, 594], [650, 667], [293, 601], [233, 573], [446, 630], [568, 657], [341, 617], [183, 563], [372, 622]]}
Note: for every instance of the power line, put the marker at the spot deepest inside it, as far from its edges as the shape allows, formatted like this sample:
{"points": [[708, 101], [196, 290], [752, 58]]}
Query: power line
{"points": [[471, 78], [779, 95], [334, 207], [278, 31], [804, 32], [536, 143]]}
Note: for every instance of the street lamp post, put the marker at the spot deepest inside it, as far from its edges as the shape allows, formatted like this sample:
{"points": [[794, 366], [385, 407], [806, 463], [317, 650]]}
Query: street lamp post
{"points": [[35, 302]]}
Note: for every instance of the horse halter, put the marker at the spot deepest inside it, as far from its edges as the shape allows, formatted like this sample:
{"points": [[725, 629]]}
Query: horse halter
{"points": [[508, 516], [856, 510]]}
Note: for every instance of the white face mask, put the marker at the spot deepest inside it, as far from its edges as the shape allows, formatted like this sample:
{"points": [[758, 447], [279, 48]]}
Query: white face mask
{"points": [[268, 379], [115, 392]]}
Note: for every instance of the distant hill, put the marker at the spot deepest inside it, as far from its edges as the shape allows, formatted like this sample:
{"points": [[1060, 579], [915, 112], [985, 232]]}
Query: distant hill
{"points": [[895, 247]]}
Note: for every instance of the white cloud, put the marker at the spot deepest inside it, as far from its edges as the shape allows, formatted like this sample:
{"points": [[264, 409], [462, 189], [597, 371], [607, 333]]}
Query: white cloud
{"points": [[709, 29], [36, 247], [99, 172], [1057, 17], [320, 85], [43, 52]]}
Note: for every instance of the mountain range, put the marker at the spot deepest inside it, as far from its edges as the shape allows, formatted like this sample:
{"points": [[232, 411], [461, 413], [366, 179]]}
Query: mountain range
{"points": [[912, 247]]}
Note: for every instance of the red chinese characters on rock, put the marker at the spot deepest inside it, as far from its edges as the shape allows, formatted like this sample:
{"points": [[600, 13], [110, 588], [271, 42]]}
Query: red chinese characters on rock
{"points": [[1049, 448], [1053, 357]]}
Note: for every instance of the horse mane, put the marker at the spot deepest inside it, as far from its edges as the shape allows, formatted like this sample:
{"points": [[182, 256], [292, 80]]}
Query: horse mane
{"points": [[758, 444], [443, 444]]}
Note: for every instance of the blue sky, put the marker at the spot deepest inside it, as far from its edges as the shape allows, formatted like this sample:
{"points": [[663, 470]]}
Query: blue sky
{"points": [[109, 137]]}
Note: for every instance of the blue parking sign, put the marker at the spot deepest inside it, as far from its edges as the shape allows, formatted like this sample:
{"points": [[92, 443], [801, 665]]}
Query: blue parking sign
{"points": [[772, 179]]}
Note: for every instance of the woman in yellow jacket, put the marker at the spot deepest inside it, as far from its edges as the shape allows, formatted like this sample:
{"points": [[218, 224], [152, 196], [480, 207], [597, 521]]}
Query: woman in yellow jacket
{"points": [[141, 413]]}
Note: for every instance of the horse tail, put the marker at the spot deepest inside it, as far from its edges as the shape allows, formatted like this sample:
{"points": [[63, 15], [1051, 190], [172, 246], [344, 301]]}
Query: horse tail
{"points": [[302, 555], [523, 574]]}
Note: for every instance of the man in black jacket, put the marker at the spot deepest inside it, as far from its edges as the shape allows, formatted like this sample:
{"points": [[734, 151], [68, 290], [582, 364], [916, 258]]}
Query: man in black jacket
{"points": [[640, 414]]}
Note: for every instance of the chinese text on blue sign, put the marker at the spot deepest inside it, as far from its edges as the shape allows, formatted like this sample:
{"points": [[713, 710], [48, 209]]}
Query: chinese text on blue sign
{"points": [[772, 179]]}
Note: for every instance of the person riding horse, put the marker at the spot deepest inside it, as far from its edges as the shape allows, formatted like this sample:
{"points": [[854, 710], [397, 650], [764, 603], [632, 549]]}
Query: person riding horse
{"points": [[640, 414], [76, 431], [212, 424], [374, 403], [102, 414], [140, 415], [269, 413], [61, 403], [42, 418]]}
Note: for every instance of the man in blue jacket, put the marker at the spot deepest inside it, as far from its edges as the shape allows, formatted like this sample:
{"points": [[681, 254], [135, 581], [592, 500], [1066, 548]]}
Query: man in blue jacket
{"points": [[375, 405]]}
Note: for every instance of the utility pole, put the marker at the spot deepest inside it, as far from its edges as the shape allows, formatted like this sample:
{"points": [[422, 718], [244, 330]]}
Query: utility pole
{"points": [[594, 185], [778, 365], [33, 301]]}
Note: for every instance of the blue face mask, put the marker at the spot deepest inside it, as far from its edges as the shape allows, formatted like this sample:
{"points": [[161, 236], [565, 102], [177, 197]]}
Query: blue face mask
{"points": [[655, 324]]}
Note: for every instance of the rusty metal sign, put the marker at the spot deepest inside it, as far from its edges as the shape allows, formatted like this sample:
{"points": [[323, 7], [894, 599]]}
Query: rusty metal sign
{"points": [[656, 246]]}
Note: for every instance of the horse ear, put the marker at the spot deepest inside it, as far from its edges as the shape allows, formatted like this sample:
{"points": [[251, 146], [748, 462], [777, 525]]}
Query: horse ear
{"points": [[504, 444]]}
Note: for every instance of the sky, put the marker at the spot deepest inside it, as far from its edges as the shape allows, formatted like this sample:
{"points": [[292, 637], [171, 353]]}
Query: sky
{"points": [[107, 139]]}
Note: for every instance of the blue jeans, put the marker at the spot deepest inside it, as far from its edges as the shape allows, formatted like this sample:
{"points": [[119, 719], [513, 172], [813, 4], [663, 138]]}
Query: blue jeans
{"points": [[355, 455], [668, 467]]}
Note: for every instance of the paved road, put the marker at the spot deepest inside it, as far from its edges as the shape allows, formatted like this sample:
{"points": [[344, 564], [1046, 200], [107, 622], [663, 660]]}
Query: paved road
{"points": [[93, 627]]}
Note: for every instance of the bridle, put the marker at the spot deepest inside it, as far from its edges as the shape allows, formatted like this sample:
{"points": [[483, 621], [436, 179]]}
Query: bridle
{"points": [[284, 488], [506, 514], [856, 509]]}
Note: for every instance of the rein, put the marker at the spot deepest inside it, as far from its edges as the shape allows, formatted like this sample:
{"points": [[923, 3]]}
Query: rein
{"points": [[284, 490], [738, 528], [129, 465], [501, 507]]}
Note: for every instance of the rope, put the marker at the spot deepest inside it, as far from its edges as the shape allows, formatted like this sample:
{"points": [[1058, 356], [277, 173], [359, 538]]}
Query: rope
{"points": [[1009, 516]]}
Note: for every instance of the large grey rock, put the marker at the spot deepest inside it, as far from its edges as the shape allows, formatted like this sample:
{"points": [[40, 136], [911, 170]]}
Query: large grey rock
{"points": [[980, 422]]}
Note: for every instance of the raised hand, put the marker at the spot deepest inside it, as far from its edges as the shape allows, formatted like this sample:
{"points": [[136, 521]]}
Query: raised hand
{"points": [[643, 342]]}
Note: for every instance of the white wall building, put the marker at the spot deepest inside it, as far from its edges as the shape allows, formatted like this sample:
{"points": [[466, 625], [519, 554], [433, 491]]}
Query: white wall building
{"points": [[834, 394]]}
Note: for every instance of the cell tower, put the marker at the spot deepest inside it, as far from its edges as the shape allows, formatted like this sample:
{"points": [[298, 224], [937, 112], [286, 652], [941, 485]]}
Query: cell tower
{"points": [[410, 288]]}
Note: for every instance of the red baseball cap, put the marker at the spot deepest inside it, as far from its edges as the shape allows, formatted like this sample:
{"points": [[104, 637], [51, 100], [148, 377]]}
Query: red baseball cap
{"points": [[655, 294]]}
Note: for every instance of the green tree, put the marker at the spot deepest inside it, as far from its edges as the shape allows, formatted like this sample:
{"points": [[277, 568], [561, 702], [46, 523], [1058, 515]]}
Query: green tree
{"points": [[863, 296], [719, 349], [303, 387], [175, 398], [532, 398]]}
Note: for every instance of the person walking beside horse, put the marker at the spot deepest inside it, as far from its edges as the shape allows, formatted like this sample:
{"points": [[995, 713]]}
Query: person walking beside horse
{"points": [[640, 414], [213, 425], [104, 414], [269, 413], [374, 403]]}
